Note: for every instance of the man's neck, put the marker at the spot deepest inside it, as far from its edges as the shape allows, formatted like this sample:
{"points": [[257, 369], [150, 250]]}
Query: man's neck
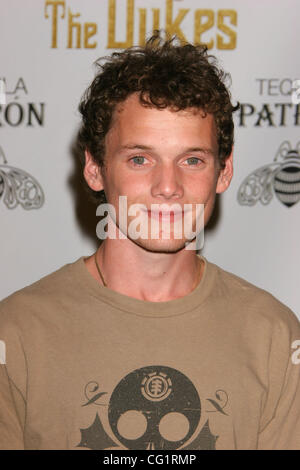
{"points": [[133, 271]]}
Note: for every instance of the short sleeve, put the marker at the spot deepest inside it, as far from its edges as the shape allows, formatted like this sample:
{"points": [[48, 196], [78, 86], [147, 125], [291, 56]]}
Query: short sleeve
{"points": [[13, 375], [11, 404], [280, 420]]}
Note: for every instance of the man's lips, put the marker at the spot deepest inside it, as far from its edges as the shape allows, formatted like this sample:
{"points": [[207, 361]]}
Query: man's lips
{"points": [[168, 215]]}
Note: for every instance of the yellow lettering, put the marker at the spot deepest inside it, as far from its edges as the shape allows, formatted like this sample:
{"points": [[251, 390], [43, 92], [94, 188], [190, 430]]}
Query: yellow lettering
{"points": [[112, 43], [142, 35], [200, 27], [77, 26], [172, 27], [55, 4], [90, 29], [231, 44], [155, 12], [143, 20]]}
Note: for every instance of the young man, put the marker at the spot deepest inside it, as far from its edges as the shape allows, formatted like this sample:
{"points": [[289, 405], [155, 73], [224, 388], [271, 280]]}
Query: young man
{"points": [[145, 344]]}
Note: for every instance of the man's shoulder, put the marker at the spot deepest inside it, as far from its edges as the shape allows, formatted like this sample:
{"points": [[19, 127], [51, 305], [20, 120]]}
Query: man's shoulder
{"points": [[252, 300], [49, 289]]}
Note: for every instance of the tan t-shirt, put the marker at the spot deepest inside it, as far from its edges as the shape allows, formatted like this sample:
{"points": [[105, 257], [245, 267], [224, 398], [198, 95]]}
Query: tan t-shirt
{"points": [[90, 368]]}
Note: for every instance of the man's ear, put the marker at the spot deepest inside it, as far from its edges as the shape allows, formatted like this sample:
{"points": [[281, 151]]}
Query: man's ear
{"points": [[92, 173], [225, 175]]}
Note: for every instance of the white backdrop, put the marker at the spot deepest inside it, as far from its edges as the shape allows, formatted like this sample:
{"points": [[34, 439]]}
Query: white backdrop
{"points": [[45, 65]]}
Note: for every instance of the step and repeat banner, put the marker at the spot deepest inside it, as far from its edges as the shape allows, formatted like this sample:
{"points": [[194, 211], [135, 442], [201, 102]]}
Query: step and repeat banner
{"points": [[47, 54]]}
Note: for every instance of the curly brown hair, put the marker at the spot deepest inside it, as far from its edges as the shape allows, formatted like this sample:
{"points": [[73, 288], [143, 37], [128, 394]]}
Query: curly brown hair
{"points": [[166, 73]]}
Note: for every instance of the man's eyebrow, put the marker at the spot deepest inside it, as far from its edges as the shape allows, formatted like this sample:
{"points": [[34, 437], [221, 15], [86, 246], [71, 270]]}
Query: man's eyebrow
{"points": [[136, 146], [205, 150]]}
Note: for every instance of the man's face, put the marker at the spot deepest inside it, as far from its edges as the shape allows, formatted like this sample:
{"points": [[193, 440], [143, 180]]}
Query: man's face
{"points": [[162, 157]]}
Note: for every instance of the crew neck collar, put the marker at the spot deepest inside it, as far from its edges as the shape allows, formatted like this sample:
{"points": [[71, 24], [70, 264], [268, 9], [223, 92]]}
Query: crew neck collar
{"points": [[139, 307]]}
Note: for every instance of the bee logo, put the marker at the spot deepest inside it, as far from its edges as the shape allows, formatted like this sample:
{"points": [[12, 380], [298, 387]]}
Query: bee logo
{"points": [[19, 187], [281, 177]]}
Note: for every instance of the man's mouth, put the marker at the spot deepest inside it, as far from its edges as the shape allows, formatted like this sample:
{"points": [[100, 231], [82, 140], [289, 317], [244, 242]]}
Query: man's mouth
{"points": [[166, 215]]}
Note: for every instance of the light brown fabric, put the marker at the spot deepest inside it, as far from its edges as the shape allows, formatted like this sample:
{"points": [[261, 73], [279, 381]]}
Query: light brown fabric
{"points": [[87, 367]]}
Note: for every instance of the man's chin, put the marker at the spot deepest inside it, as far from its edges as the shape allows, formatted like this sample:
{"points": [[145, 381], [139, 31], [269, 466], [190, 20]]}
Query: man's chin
{"points": [[161, 245]]}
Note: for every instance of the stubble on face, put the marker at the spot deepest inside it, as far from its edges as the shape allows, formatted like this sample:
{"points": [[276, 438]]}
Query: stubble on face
{"points": [[134, 122]]}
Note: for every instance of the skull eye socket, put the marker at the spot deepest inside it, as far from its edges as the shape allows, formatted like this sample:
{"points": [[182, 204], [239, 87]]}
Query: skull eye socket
{"points": [[174, 426], [132, 424]]}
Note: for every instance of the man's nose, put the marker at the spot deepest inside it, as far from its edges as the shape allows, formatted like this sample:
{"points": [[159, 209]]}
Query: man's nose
{"points": [[167, 182]]}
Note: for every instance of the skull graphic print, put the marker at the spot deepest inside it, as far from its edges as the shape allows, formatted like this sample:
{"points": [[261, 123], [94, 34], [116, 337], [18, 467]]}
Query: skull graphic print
{"points": [[152, 408]]}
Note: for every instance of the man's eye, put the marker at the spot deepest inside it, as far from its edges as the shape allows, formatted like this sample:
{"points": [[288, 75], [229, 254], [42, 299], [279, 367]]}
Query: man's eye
{"points": [[193, 161], [138, 160]]}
